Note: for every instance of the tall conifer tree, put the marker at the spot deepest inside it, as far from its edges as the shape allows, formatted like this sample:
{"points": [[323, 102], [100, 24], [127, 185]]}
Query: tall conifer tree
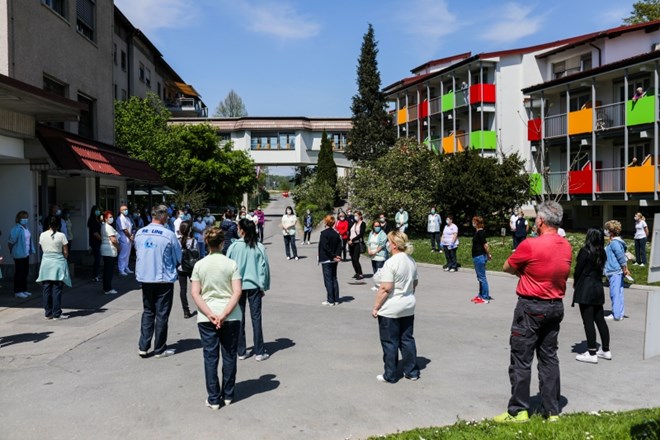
{"points": [[326, 171]]}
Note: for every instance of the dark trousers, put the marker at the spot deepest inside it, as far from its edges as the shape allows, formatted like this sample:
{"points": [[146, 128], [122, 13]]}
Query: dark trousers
{"points": [[52, 298], [307, 236], [214, 341], [22, 267], [260, 232], [344, 246], [450, 254], [252, 296], [354, 249], [108, 272], [183, 290], [593, 314], [517, 240], [290, 242], [375, 265], [330, 281], [397, 334], [640, 250], [435, 241], [157, 303], [535, 329], [96, 252]]}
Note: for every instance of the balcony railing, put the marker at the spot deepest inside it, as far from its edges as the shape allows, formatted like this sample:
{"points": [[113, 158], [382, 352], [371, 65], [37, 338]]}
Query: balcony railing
{"points": [[257, 146], [462, 97], [412, 113], [434, 106], [555, 126], [557, 182], [610, 180], [610, 116]]}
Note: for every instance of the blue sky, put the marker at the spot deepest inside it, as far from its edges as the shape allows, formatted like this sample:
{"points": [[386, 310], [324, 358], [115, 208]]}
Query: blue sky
{"points": [[298, 57]]}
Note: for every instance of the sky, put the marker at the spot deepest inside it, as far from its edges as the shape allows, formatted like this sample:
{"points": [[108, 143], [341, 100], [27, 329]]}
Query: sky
{"points": [[299, 57]]}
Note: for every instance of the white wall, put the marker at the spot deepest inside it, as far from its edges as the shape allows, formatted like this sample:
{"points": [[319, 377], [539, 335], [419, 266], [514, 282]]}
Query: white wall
{"points": [[22, 197], [11, 148]]}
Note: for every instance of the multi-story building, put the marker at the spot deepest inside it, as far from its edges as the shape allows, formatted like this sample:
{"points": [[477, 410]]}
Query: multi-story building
{"points": [[566, 107]]}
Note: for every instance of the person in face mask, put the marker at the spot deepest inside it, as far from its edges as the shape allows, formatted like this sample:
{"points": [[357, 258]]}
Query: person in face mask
{"points": [[109, 251], [198, 227], [57, 212], [21, 247], [342, 227], [401, 219], [94, 227], [384, 225], [308, 225], [433, 228], [289, 221], [450, 243], [125, 236], [180, 217], [377, 248], [355, 243]]}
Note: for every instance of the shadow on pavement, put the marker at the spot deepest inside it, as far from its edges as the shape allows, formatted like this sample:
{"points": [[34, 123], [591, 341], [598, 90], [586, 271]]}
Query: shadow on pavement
{"points": [[84, 312], [422, 362], [579, 347], [6, 341], [278, 345], [183, 345], [346, 299], [249, 388]]}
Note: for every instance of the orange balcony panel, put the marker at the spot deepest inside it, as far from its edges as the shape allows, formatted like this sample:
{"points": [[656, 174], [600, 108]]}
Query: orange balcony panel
{"points": [[448, 143], [402, 116], [534, 130], [580, 121], [640, 179], [581, 182], [424, 109], [482, 93]]}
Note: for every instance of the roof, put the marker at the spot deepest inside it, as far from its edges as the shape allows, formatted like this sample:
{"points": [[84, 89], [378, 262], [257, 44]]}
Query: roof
{"points": [[264, 123], [445, 60], [72, 152]]}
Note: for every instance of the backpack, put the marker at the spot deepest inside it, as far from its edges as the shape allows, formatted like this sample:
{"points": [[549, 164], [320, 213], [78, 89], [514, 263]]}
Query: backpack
{"points": [[188, 258]]}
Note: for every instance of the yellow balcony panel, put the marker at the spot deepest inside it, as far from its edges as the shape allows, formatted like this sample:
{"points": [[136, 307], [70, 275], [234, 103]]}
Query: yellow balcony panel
{"points": [[448, 143], [641, 179], [580, 121], [402, 116]]}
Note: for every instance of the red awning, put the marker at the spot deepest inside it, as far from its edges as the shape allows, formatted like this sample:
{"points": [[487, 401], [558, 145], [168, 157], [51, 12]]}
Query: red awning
{"points": [[72, 152]]}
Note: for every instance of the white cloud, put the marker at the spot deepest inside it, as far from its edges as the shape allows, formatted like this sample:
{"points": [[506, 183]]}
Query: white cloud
{"points": [[152, 15], [430, 19], [279, 20], [514, 21], [612, 17]]}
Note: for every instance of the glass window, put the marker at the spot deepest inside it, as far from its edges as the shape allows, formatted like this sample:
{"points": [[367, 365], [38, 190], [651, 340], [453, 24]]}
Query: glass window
{"points": [[56, 5], [108, 198], [86, 21], [147, 77], [114, 53], [585, 62], [123, 61], [86, 122], [141, 72]]}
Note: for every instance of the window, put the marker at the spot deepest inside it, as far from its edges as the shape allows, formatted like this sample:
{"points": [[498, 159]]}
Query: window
{"points": [[58, 88], [114, 53], [558, 70], [147, 78], [86, 123], [56, 5], [86, 22], [141, 72], [123, 61], [338, 140], [159, 89], [579, 100], [108, 198], [114, 86], [633, 84], [585, 62], [124, 95]]}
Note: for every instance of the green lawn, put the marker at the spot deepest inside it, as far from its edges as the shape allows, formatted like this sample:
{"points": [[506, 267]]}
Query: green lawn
{"points": [[637, 424], [501, 249]]}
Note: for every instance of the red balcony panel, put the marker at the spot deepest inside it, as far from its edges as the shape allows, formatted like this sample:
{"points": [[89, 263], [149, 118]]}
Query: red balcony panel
{"points": [[534, 129], [423, 109], [482, 93], [581, 182]]}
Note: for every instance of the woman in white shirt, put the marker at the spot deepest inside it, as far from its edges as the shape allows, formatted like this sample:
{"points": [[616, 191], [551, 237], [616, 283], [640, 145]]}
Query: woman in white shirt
{"points": [[109, 251], [289, 220], [54, 269], [394, 308], [641, 233], [450, 243]]}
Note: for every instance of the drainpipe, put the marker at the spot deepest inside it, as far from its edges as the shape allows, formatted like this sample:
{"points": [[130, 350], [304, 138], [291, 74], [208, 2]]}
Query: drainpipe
{"points": [[600, 54]]}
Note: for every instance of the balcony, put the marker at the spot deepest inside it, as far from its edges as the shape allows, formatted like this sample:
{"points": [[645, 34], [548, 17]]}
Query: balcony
{"points": [[187, 107], [534, 129], [434, 106], [462, 97], [483, 140], [482, 93], [555, 126], [641, 179], [275, 147], [610, 180], [581, 181], [580, 121], [402, 116], [610, 116], [536, 184], [433, 144], [557, 182], [448, 142], [641, 111], [424, 109], [448, 101], [412, 113]]}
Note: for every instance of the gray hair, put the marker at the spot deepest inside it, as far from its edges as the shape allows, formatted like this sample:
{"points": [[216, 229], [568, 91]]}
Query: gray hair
{"points": [[551, 212], [159, 212]]}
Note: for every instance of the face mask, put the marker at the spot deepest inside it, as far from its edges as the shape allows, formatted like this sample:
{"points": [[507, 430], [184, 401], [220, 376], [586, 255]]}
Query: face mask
{"points": [[97, 213], [341, 218], [474, 225], [110, 220], [377, 229], [58, 212], [382, 219], [357, 218], [24, 221], [199, 219], [448, 221], [125, 212], [289, 213], [433, 211], [400, 209], [242, 216]]}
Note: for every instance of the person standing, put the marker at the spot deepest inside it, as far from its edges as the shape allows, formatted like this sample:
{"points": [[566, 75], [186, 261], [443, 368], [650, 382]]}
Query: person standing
{"points": [[229, 230], [252, 261], [125, 238], [401, 220], [342, 227], [616, 267], [329, 255], [521, 229], [190, 243], [355, 243], [449, 243], [289, 220], [512, 227], [216, 290], [543, 265], [480, 256], [377, 249], [209, 219], [433, 228], [198, 228], [394, 307], [385, 226], [641, 235], [308, 225], [261, 221], [180, 216], [21, 247], [158, 255], [54, 269], [109, 251], [590, 295]]}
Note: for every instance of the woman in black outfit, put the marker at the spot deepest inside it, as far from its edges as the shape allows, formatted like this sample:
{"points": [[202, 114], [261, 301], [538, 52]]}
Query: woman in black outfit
{"points": [[330, 248], [94, 226], [355, 240], [590, 295]]}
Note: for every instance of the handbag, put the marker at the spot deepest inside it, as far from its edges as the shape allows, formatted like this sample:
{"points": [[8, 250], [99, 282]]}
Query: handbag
{"points": [[188, 259], [363, 247]]}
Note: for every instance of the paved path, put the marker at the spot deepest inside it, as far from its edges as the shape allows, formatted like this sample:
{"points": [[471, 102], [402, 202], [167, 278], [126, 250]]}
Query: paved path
{"points": [[81, 378]]}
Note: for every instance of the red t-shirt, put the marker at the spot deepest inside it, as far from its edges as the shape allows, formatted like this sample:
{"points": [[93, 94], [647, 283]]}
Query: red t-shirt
{"points": [[342, 228], [543, 263]]}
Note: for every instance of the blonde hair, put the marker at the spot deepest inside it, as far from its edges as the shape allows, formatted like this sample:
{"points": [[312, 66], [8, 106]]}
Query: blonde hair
{"points": [[641, 217], [613, 227], [400, 240]]}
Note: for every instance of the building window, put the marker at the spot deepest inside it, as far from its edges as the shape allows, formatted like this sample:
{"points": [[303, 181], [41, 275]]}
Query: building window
{"points": [[86, 23], [558, 70], [86, 123], [56, 5], [114, 53], [147, 78], [124, 95], [141, 72], [114, 86], [159, 90], [338, 140], [57, 88], [585, 62], [123, 61], [108, 198]]}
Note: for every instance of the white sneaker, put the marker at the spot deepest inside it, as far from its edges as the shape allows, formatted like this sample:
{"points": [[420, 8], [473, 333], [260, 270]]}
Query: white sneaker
{"points": [[641, 265], [111, 292], [242, 357], [124, 274], [261, 357], [61, 317], [21, 295], [612, 318], [586, 357], [128, 270], [26, 294], [325, 303], [166, 353], [296, 258], [213, 406], [288, 258], [607, 355], [227, 402], [374, 288]]}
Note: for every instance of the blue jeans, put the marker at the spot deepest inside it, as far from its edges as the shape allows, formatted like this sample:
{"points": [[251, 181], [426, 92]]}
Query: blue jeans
{"points": [[253, 296], [290, 242], [52, 295], [450, 254], [375, 265], [214, 341], [616, 294], [480, 268], [330, 281], [201, 247], [157, 303], [397, 334], [640, 250]]}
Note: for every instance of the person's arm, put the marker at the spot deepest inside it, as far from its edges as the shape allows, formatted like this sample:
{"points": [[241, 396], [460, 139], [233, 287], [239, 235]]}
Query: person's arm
{"points": [[487, 249], [508, 268], [65, 247], [237, 291], [381, 296], [266, 269], [579, 265], [196, 294], [646, 231]]}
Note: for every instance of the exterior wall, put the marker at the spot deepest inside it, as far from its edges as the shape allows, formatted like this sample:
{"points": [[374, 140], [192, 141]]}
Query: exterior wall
{"points": [[629, 44], [23, 197], [142, 55], [4, 38], [119, 74], [11, 148], [50, 44]]}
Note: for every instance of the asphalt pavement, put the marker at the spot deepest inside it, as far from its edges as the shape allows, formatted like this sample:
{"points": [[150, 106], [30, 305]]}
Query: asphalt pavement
{"points": [[81, 378]]}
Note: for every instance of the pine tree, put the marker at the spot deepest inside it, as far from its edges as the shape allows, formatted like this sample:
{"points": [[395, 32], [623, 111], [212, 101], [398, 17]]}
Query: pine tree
{"points": [[372, 134], [644, 11], [326, 171]]}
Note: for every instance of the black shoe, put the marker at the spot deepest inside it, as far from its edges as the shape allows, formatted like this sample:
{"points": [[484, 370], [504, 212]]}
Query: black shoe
{"points": [[187, 314]]}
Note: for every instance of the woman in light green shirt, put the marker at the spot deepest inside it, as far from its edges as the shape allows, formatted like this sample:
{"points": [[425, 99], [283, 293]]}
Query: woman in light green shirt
{"points": [[216, 290]]}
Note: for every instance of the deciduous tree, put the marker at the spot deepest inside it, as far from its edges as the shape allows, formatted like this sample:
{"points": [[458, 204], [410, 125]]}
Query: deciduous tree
{"points": [[231, 107]]}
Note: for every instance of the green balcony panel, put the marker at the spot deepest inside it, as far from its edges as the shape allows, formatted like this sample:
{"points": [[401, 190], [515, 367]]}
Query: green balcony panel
{"points": [[483, 140], [640, 111], [448, 101], [536, 184]]}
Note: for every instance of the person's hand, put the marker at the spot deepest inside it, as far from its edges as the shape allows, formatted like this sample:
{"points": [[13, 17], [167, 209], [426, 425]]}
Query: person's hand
{"points": [[262, 293], [374, 313], [337, 259], [215, 320], [490, 257]]}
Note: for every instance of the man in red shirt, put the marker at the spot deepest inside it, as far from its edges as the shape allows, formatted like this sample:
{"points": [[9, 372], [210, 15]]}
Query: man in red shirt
{"points": [[543, 265]]}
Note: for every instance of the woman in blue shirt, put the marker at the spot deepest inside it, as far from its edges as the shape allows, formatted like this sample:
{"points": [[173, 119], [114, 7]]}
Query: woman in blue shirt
{"points": [[21, 247], [616, 267]]}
